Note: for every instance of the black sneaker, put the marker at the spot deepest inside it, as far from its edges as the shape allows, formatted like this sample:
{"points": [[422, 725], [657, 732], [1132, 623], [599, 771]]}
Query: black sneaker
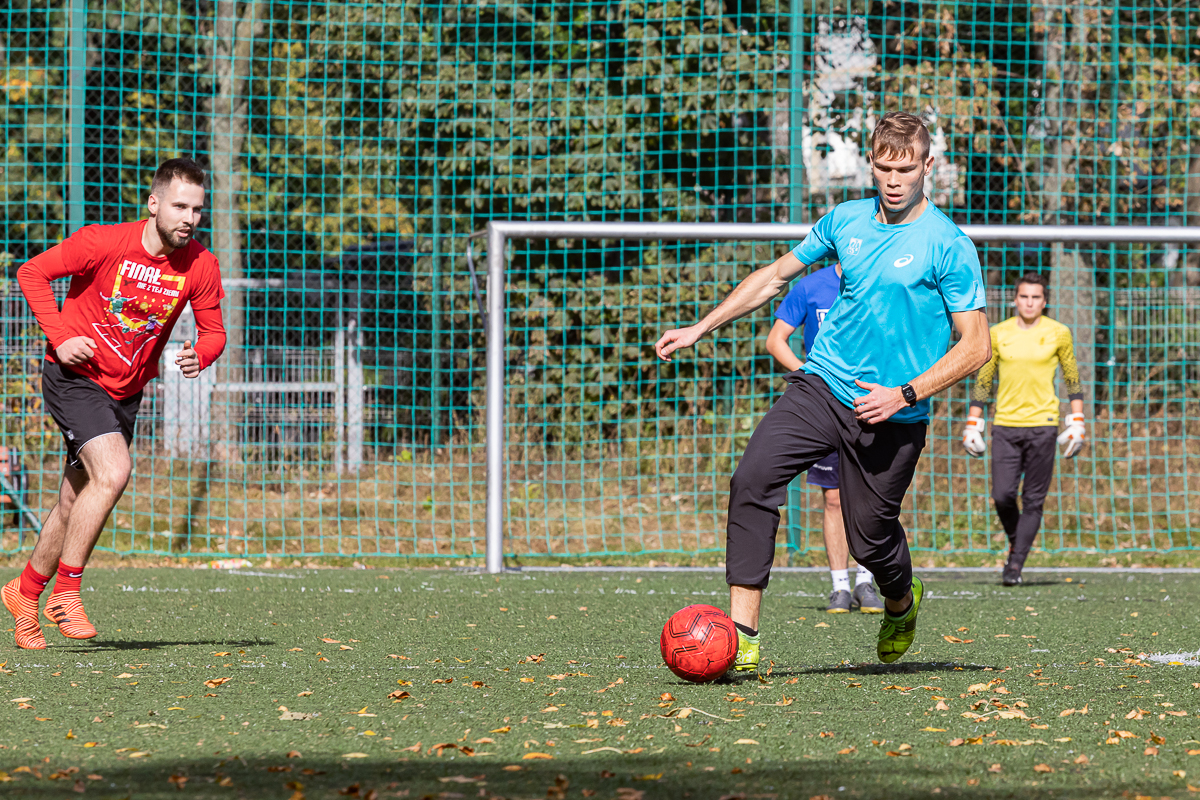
{"points": [[866, 600], [839, 602], [1011, 575]]}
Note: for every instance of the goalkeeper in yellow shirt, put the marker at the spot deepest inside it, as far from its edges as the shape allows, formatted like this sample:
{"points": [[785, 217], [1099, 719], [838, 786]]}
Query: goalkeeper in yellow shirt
{"points": [[1026, 351]]}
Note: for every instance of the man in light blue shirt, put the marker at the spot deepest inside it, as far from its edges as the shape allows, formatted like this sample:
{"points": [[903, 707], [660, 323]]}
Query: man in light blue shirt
{"points": [[908, 276]]}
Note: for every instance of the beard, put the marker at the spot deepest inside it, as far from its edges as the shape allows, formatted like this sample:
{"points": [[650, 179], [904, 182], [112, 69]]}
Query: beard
{"points": [[173, 239]]}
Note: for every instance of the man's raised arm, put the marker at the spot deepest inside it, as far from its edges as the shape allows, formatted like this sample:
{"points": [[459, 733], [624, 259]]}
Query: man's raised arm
{"points": [[758, 288]]}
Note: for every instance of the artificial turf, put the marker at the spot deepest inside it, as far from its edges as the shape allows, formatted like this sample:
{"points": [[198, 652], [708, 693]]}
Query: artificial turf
{"points": [[540, 685]]}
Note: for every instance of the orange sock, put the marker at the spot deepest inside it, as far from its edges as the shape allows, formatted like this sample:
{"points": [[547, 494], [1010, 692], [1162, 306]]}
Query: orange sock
{"points": [[33, 583], [69, 579]]}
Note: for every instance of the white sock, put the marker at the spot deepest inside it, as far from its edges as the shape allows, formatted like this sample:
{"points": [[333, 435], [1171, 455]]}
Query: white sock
{"points": [[841, 579], [862, 575]]}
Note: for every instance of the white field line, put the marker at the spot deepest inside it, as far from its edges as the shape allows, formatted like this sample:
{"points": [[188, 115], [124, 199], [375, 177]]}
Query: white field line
{"points": [[777, 570], [1179, 659]]}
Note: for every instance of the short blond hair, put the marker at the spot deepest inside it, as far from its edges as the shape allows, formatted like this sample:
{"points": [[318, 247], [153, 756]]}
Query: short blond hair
{"points": [[900, 134]]}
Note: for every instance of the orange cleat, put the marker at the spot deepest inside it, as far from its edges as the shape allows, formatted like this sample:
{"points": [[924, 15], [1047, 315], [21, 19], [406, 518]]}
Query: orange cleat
{"points": [[25, 613], [66, 609]]}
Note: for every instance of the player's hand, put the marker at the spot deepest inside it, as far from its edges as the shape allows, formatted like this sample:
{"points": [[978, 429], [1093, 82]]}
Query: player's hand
{"points": [[75, 350], [188, 361], [972, 439], [880, 404], [677, 340], [1073, 436]]}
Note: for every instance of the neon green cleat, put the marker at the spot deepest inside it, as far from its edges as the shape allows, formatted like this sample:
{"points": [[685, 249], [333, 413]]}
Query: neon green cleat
{"points": [[896, 634], [747, 655]]}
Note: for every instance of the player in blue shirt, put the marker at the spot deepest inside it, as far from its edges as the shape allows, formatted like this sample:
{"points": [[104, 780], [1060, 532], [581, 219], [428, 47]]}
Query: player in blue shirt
{"points": [[805, 306], [908, 275]]}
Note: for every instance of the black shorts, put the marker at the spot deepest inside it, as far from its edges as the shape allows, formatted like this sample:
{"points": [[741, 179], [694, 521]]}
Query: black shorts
{"points": [[84, 411]]}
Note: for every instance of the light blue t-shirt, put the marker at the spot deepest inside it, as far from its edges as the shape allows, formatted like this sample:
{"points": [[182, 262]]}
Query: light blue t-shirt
{"points": [[900, 283]]}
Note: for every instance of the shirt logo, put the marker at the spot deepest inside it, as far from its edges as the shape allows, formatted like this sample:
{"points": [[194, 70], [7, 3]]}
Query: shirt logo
{"points": [[903, 261], [852, 248], [821, 312]]}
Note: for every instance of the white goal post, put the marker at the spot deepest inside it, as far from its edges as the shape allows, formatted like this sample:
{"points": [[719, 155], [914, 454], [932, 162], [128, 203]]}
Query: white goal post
{"points": [[498, 234]]}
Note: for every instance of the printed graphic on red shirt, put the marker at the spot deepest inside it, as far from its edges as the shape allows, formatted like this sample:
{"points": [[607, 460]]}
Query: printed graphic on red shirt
{"points": [[124, 299], [142, 300]]}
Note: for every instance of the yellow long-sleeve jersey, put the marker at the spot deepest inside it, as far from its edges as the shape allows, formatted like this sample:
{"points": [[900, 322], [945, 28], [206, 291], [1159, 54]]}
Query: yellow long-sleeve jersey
{"points": [[1026, 360]]}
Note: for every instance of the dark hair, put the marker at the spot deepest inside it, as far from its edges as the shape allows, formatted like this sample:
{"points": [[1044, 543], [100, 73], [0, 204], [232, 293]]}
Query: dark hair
{"points": [[1035, 279], [900, 134], [185, 169]]}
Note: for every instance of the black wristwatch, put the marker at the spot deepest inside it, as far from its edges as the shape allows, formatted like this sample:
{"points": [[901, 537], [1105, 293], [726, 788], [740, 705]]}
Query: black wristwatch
{"points": [[910, 394]]}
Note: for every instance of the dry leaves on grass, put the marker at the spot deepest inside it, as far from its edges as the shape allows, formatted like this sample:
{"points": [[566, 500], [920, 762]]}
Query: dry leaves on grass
{"points": [[213, 683], [299, 715], [956, 640], [441, 748]]}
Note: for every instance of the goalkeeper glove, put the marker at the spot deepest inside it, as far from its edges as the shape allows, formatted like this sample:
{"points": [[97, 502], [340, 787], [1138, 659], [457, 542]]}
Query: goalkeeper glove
{"points": [[1073, 435], [972, 439]]}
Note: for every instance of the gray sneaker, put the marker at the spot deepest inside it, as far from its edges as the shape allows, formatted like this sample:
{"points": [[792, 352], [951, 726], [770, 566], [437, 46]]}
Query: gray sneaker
{"points": [[839, 602], [865, 598]]}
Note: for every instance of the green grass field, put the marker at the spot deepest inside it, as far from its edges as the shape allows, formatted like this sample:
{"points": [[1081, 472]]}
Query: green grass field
{"points": [[549, 685]]}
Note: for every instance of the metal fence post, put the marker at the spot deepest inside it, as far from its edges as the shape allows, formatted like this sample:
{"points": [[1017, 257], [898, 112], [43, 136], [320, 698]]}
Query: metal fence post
{"points": [[78, 62], [495, 400]]}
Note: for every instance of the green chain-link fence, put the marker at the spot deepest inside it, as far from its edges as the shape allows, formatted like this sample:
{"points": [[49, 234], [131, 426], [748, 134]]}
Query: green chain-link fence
{"points": [[352, 146]]}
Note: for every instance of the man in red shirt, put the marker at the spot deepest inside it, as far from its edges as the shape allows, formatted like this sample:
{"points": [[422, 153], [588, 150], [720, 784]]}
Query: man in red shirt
{"points": [[129, 284]]}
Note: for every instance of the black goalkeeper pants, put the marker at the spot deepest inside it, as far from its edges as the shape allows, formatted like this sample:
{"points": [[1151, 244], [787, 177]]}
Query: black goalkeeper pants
{"points": [[876, 466], [1015, 452]]}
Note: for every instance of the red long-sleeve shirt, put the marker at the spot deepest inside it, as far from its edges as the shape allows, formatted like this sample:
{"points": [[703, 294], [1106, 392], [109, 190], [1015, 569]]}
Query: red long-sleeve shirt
{"points": [[126, 301]]}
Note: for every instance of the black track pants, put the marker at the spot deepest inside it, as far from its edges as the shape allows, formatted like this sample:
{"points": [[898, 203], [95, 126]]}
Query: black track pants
{"points": [[876, 467], [1017, 451]]}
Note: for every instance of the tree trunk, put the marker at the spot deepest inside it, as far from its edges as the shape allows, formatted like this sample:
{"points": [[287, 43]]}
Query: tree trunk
{"points": [[232, 49], [1192, 263], [1072, 277]]}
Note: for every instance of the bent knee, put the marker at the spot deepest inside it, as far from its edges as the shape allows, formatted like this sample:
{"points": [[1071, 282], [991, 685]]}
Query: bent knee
{"points": [[1004, 498], [112, 479]]}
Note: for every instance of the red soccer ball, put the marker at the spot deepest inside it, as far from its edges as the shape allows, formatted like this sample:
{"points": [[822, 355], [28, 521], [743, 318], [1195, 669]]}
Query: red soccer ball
{"points": [[699, 643]]}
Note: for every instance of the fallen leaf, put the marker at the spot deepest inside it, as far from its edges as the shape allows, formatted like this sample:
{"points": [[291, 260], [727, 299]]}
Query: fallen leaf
{"points": [[956, 640], [332, 641], [293, 754], [745, 741], [303, 694], [957, 742], [1043, 768], [462, 779], [213, 683], [355, 755], [299, 715], [934, 730], [222, 653], [124, 675], [505, 729], [530, 756]]}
